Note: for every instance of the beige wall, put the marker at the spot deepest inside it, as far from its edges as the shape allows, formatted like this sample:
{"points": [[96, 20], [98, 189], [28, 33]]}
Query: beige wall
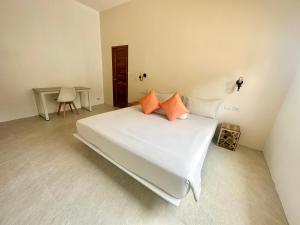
{"points": [[46, 43], [201, 47], [282, 152]]}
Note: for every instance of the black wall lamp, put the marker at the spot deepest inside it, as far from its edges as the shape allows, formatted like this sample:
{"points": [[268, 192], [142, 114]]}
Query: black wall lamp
{"points": [[239, 83], [142, 77]]}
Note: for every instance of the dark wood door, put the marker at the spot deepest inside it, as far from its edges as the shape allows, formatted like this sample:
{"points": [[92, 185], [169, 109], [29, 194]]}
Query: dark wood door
{"points": [[120, 75]]}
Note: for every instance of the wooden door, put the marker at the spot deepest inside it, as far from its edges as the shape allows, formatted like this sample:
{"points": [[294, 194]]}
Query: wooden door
{"points": [[120, 75]]}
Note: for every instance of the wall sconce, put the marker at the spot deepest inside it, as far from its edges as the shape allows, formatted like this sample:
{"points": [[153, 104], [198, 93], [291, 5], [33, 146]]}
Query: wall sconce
{"points": [[239, 83], [142, 77]]}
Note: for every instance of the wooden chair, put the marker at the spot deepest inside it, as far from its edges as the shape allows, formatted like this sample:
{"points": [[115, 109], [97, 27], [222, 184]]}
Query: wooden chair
{"points": [[66, 97]]}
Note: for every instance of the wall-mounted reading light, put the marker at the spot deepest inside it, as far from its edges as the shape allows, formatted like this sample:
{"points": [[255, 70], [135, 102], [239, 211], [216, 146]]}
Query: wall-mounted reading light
{"points": [[142, 77], [239, 83]]}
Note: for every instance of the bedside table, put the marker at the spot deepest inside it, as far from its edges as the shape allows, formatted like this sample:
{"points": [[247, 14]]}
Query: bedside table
{"points": [[229, 136]]}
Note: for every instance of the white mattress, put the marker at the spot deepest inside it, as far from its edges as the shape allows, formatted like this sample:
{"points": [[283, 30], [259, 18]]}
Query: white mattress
{"points": [[167, 154]]}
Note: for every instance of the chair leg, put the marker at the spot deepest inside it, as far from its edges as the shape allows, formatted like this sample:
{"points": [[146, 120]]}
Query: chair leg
{"points": [[59, 107], [74, 107], [64, 109], [70, 105]]}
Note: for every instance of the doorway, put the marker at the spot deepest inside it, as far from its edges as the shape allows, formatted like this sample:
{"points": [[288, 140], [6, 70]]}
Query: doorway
{"points": [[120, 75]]}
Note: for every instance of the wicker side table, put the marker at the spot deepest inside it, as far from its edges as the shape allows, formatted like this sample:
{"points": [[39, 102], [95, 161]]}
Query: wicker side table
{"points": [[229, 136]]}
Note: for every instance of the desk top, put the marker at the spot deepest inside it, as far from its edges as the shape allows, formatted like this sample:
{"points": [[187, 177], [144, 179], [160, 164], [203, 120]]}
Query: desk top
{"points": [[56, 89]]}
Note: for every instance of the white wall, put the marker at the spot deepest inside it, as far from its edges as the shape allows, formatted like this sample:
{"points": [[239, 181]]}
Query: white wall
{"points": [[201, 47], [282, 153], [101, 5], [46, 43]]}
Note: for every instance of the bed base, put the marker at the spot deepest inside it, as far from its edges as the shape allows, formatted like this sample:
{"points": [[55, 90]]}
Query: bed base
{"points": [[152, 187]]}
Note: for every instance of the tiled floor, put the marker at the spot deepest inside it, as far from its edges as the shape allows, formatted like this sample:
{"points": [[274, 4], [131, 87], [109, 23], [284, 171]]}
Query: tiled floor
{"points": [[48, 177]]}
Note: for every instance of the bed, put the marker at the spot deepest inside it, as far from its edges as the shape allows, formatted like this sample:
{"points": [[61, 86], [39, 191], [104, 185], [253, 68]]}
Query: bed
{"points": [[166, 157]]}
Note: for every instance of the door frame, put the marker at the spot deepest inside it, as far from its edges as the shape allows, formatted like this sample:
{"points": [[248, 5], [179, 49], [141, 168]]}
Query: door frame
{"points": [[113, 73]]}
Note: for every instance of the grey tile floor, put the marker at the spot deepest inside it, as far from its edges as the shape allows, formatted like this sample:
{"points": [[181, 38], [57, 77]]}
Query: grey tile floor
{"points": [[48, 177]]}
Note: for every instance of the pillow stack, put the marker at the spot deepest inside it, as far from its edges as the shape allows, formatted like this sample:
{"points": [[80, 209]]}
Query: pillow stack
{"points": [[173, 107]]}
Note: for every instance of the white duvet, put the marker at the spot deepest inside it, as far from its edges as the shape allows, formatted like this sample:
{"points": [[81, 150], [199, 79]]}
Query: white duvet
{"points": [[169, 155]]}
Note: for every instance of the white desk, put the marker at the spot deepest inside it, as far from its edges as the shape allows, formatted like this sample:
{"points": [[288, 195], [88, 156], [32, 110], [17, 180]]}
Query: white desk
{"points": [[39, 94]]}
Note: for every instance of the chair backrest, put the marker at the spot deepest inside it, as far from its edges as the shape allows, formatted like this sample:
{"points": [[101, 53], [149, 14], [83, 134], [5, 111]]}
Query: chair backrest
{"points": [[66, 94]]}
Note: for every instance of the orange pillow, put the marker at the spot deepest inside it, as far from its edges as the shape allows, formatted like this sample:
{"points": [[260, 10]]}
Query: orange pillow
{"points": [[149, 103], [174, 107]]}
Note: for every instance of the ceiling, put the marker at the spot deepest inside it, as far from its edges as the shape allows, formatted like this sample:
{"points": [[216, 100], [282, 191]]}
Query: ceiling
{"points": [[102, 4]]}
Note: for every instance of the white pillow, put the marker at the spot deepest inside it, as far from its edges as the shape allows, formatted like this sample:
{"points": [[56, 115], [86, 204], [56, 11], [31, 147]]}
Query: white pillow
{"points": [[203, 107], [183, 117]]}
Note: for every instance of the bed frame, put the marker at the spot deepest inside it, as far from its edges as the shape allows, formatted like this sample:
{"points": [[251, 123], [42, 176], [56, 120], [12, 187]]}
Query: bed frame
{"points": [[152, 187]]}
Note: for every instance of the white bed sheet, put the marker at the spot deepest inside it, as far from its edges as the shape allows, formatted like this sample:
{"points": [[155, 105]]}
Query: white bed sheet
{"points": [[167, 154]]}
